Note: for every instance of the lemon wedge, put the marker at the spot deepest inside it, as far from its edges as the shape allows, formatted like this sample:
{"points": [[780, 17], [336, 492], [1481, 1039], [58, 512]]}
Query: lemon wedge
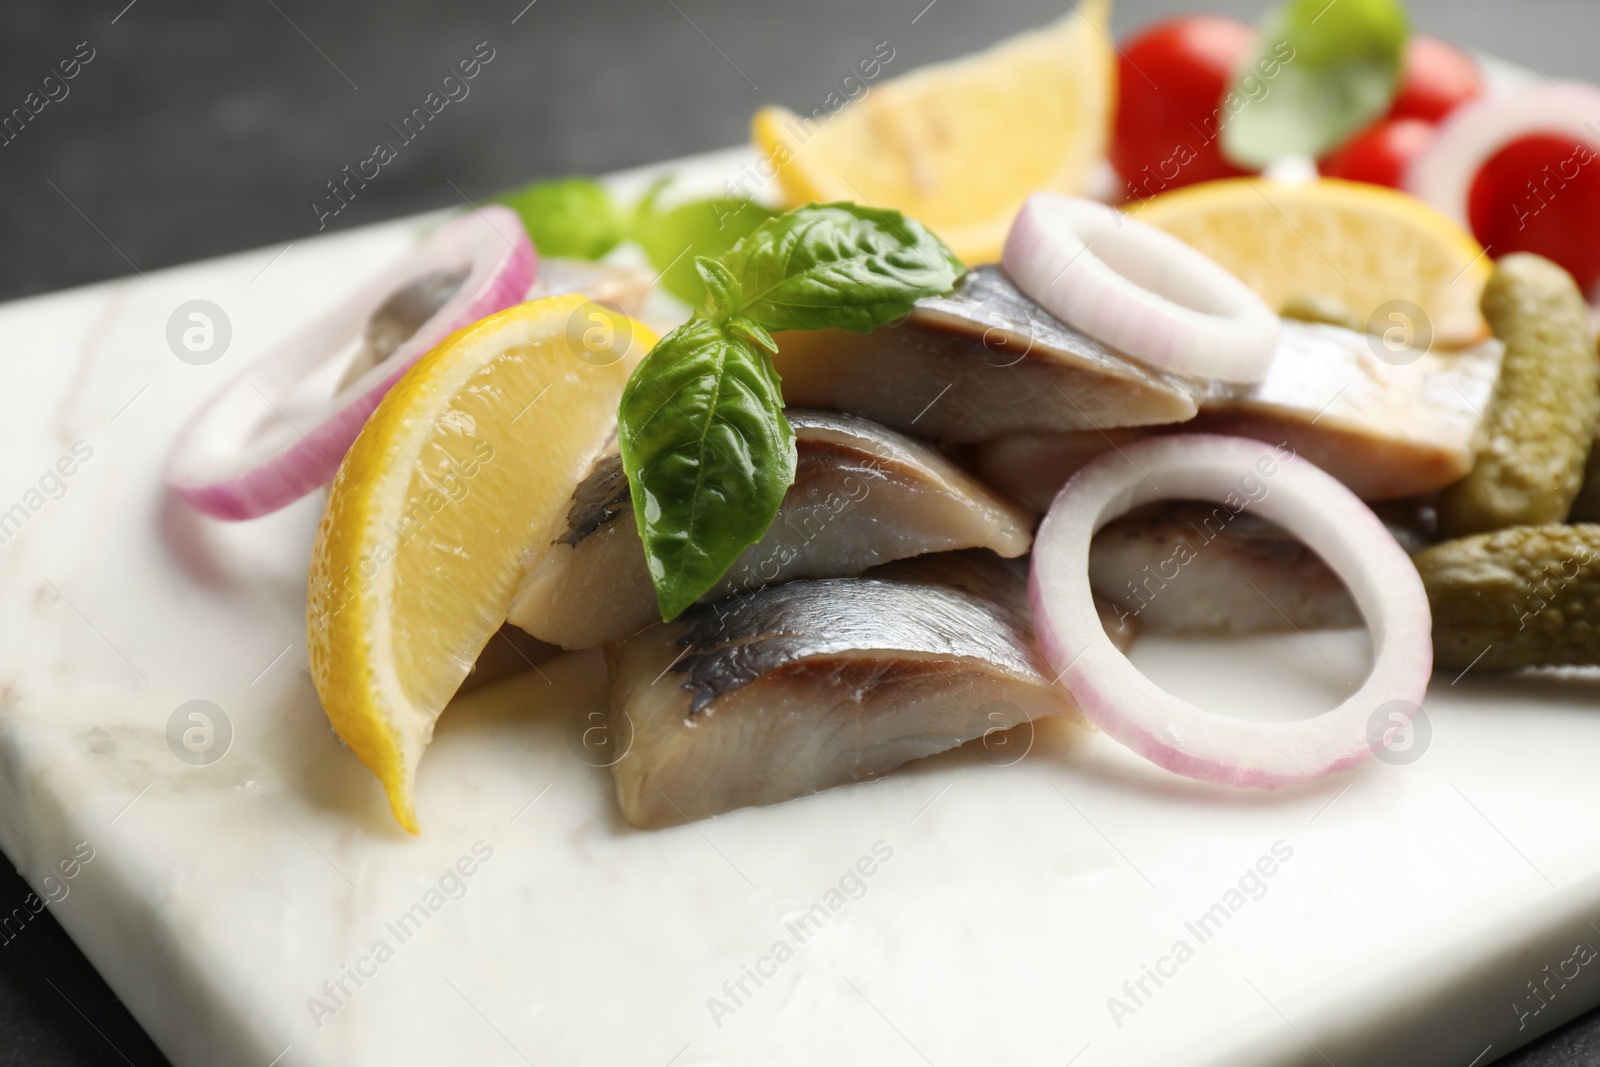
{"points": [[468, 460], [1383, 255], [960, 145]]}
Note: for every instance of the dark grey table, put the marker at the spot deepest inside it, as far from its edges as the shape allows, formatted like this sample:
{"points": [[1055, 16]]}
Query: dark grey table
{"points": [[199, 128]]}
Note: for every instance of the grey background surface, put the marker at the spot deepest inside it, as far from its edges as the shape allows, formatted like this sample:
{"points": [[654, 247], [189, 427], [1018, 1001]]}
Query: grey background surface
{"points": [[208, 127]]}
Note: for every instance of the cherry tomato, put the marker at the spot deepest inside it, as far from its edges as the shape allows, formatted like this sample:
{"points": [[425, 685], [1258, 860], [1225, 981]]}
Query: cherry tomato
{"points": [[1542, 194], [1171, 80], [1436, 79], [1380, 154]]}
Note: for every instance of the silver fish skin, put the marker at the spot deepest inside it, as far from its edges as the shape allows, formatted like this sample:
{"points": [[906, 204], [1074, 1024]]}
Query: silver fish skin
{"points": [[808, 685], [863, 495], [979, 362], [1193, 567], [1388, 430]]}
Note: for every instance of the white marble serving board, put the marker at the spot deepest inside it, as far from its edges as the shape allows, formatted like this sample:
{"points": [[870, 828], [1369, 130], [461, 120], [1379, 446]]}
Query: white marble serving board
{"points": [[1004, 907]]}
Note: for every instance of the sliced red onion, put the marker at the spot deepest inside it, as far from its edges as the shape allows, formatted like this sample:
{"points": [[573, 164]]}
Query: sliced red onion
{"points": [[1139, 289], [1236, 473], [280, 429], [1476, 132]]}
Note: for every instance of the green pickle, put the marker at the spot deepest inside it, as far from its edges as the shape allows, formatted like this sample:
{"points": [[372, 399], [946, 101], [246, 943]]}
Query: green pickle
{"points": [[1540, 426], [1524, 597]]}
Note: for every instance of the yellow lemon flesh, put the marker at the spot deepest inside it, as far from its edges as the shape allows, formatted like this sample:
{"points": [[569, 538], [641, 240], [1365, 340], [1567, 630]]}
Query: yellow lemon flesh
{"points": [[959, 146], [1383, 255], [469, 459]]}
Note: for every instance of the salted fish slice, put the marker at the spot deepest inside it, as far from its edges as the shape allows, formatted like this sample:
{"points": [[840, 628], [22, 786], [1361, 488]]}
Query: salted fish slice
{"points": [[808, 685], [1388, 429], [1190, 567], [863, 495], [979, 362]]}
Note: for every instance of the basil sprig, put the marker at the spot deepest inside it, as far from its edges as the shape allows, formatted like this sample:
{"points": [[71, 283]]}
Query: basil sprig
{"points": [[705, 444], [1325, 71]]}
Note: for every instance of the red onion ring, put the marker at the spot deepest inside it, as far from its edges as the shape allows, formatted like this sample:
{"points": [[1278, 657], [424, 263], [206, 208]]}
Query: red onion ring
{"points": [[1170, 731], [280, 429], [1476, 132], [1139, 289]]}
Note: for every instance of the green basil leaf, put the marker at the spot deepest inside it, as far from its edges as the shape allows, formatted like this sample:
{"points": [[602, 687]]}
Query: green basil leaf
{"points": [[573, 217], [673, 239], [752, 332], [1324, 72], [722, 289], [707, 451], [839, 265]]}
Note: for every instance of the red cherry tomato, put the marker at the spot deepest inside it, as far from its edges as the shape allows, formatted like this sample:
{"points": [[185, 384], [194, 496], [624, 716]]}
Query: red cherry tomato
{"points": [[1171, 82], [1436, 79], [1542, 194], [1380, 154]]}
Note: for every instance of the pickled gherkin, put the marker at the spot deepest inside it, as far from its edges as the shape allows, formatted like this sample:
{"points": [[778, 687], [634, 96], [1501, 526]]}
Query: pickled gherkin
{"points": [[1528, 596], [1540, 426]]}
